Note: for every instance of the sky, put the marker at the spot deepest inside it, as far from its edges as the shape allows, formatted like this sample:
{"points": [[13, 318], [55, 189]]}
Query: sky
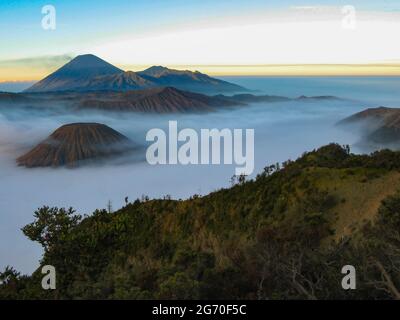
{"points": [[225, 37]]}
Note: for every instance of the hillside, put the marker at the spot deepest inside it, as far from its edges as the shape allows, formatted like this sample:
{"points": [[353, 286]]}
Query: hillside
{"points": [[123, 81], [374, 114], [74, 143], [379, 126], [188, 80], [284, 235], [172, 100], [159, 100], [128, 91]]}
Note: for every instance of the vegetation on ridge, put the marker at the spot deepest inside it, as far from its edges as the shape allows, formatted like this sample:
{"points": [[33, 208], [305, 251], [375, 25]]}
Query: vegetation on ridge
{"points": [[284, 235]]}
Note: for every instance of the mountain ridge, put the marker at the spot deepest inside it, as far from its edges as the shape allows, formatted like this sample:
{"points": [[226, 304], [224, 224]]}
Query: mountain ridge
{"points": [[159, 99], [90, 73], [379, 125]]}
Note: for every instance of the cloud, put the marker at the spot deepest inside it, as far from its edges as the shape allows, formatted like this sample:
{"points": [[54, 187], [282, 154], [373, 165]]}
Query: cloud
{"points": [[41, 61], [278, 37], [282, 131], [31, 68]]}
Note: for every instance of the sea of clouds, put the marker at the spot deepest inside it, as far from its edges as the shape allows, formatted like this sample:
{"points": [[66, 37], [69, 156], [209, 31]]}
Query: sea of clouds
{"points": [[282, 131]]}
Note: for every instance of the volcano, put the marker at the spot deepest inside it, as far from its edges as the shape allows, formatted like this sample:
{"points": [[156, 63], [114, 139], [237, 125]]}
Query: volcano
{"points": [[90, 73], [75, 75], [188, 80], [74, 143]]}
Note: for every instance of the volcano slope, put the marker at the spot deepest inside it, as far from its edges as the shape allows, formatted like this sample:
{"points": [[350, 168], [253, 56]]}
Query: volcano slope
{"points": [[74, 143]]}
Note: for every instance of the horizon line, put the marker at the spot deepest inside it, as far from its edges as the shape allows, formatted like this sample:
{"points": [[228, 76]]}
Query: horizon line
{"points": [[285, 69]]}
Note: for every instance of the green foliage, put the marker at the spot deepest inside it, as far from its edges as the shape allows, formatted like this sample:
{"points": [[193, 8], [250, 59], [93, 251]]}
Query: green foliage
{"points": [[51, 225], [268, 238]]}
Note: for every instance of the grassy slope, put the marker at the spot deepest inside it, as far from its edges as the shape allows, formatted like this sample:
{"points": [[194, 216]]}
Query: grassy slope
{"points": [[359, 191], [149, 246]]}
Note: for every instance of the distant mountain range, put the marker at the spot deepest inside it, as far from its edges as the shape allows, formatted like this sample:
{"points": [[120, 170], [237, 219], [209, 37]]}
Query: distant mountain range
{"points": [[248, 98], [9, 97], [158, 100], [90, 73], [379, 126], [88, 82]]}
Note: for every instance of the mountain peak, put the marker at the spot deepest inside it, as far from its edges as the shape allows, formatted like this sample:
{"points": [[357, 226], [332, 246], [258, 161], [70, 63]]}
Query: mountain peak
{"points": [[73, 143], [155, 71], [75, 74], [90, 61], [87, 56]]}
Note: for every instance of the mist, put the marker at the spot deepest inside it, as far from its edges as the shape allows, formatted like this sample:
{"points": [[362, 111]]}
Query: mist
{"points": [[15, 86], [283, 131]]}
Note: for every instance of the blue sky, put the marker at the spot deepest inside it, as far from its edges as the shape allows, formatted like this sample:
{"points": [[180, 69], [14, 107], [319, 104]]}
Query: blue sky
{"points": [[83, 25], [87, 21]]}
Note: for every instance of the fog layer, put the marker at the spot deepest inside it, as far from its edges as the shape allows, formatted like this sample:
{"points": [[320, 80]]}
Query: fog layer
{"points": [[282, 131]]}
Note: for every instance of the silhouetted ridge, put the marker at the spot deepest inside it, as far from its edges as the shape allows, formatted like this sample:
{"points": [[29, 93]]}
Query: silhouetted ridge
{"points": [[90, 73]]}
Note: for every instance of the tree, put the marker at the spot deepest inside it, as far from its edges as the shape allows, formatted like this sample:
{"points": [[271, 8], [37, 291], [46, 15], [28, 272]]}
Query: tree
{"points": [[179, 286], [109, 206], [51, 225], [242, 178], [9, 275]]}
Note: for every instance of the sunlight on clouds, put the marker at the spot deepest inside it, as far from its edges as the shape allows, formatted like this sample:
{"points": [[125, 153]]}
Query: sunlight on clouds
{"points": [[30, 68], [279, 40], [304, 40]]}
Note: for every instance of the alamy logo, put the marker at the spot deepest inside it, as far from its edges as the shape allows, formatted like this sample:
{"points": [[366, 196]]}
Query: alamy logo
{"points": [[349, 280], [186, 147], [49, 280], [350, 19], [49, 18]]}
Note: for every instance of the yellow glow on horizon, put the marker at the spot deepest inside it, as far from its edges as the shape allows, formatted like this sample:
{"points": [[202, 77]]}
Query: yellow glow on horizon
{"points": [[270, 40], [20, 73], [299, 42], [382, 69], [302, 41]]}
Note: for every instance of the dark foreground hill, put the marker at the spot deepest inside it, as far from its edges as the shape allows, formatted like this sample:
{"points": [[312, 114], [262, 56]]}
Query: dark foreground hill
{"points": [[74, 143], [285, 235]]}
